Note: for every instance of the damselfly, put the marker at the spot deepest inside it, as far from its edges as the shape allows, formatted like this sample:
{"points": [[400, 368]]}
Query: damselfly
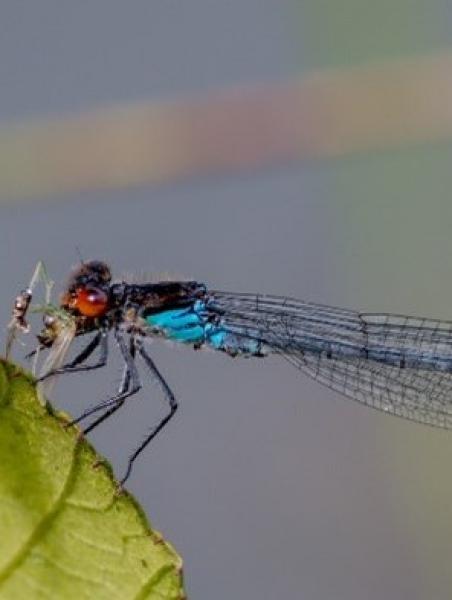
{"points": [[398, 364]]}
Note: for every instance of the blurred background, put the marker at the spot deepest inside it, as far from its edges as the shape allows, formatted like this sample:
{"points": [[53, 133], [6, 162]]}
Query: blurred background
{"points": [[290, 147]]}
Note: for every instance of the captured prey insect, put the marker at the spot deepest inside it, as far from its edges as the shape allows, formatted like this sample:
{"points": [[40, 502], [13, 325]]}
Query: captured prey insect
{"points": [[398, 364]]}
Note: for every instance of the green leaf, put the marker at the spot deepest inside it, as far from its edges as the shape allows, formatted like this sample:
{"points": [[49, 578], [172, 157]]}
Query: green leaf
{"points": [[65, 532]]}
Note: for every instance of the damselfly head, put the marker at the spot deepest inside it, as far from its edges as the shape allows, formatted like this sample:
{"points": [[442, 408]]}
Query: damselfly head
{"points": [[87, 291], [94, 272]]}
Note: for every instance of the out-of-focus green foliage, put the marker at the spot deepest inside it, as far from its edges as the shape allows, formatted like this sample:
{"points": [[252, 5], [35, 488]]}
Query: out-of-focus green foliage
{"points": [[353, 32]]}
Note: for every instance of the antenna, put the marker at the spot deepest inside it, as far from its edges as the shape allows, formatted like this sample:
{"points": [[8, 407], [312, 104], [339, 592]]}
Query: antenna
{"points": [[79, 254]]}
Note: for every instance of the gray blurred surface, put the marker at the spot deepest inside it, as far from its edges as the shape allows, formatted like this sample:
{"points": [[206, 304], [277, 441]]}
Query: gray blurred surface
{"points": [[269, 485]]}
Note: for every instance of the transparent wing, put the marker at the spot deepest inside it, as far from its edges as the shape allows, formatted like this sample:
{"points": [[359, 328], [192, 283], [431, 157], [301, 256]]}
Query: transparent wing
{"points": [[57, 353], [401, 365], [424, 396]]}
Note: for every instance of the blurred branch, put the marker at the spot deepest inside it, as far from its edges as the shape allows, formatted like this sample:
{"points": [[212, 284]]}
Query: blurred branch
{"points": [[325, 114]]}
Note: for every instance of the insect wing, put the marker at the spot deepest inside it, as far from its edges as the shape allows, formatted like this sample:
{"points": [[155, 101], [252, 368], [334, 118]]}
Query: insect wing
{"points": [[398, 364], [57, 353]]}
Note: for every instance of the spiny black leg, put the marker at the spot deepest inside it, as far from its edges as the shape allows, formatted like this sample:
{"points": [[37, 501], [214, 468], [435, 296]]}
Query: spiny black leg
{"points": [[131, 373], [101, 339], [171, 400], [123, 387]]}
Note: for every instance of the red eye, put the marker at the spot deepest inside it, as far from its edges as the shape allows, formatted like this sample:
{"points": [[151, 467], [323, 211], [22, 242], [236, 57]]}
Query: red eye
{"points": [[90, 301]]}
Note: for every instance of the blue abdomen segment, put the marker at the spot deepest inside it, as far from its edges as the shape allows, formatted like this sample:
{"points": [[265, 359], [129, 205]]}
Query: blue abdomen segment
{"points": [[192, 325], [180, 325]]}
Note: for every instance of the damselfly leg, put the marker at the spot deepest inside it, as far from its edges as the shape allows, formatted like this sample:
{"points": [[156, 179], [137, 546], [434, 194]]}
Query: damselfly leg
{"points": [[129, 386], [155, 373], [77, 364], [131, 377], [114, 404]]}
